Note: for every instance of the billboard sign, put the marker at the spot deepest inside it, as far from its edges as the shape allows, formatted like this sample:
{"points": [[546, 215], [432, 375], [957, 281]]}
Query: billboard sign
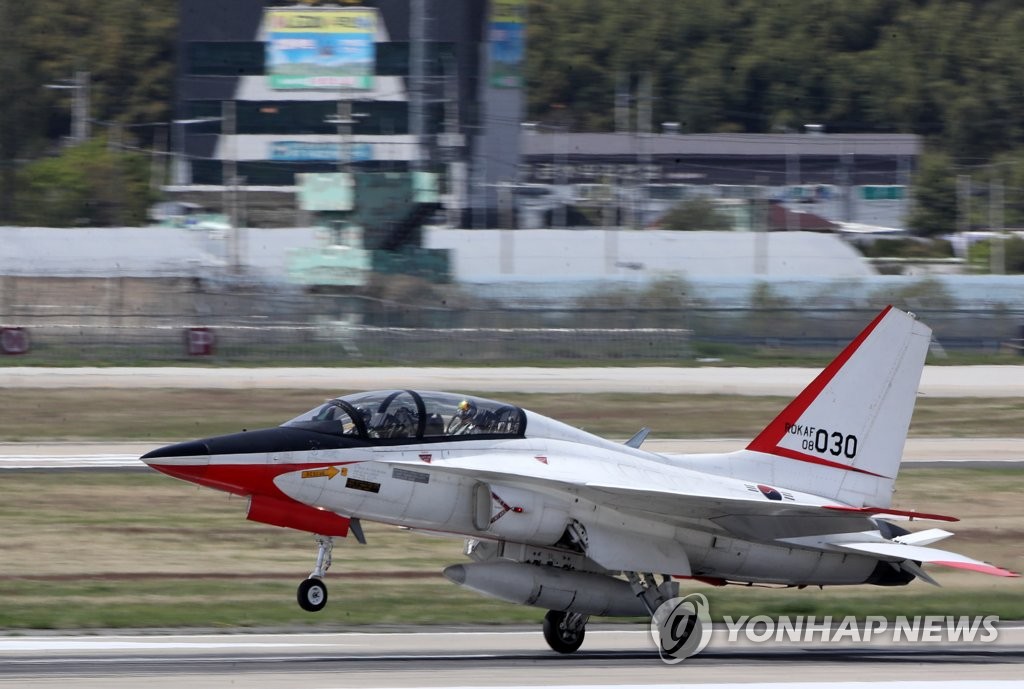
{"points": [[319, 151], [507, 43], [323, 49]]}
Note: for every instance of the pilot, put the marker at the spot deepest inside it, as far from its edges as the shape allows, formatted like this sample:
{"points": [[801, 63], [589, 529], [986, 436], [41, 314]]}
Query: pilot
{"points": [[467, 410], [463, 418], [365, 415]]}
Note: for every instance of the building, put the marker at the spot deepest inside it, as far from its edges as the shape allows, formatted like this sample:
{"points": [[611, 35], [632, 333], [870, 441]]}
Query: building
{"points": [[842, 177], [267, 89]]}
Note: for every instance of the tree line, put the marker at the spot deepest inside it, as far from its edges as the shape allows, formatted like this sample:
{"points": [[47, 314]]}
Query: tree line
{"points": [[127, 47], [948, 70]]}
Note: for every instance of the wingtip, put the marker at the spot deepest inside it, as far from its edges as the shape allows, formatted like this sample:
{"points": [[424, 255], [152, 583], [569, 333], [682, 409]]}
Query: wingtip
{"points": [[982, 567]]}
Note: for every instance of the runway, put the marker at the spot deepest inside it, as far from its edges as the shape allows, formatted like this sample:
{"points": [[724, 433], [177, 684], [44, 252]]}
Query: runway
{"points": [[486, 657]]}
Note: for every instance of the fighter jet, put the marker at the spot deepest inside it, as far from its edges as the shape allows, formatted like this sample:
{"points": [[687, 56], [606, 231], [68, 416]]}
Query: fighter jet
{"points": [[561, 519]]}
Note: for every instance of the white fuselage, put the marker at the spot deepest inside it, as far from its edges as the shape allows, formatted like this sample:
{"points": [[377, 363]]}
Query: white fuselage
{"points": [[484, 489]]}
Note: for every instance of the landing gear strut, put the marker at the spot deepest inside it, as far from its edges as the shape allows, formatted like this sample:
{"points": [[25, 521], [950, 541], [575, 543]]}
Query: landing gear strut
{"points": [[312, 593], [564, 631], [674, 618]]}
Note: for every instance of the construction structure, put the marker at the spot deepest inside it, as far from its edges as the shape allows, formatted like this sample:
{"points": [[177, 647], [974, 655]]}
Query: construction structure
{"points": [[370, 222]]}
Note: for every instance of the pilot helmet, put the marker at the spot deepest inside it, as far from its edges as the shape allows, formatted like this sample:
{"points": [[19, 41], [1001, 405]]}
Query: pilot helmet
{"points": [[466, 408]]}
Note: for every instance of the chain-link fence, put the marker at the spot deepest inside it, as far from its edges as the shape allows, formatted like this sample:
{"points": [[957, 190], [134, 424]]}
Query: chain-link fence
{"points": [[145, 321]]}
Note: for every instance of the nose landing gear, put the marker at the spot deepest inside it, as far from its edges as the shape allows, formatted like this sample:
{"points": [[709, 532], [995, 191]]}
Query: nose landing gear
{"points": [[312, 593]]}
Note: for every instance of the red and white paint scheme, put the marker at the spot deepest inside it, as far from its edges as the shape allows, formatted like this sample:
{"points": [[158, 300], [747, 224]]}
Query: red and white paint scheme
{"points": [[561, 519]]}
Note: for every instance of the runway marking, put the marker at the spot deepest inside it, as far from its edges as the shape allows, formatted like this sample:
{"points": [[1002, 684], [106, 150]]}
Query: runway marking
{"points": [[100, 644], [950, 684]]}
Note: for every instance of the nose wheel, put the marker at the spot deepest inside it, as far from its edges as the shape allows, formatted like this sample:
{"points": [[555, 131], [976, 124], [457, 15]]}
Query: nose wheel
{"points": [[312, 593]]}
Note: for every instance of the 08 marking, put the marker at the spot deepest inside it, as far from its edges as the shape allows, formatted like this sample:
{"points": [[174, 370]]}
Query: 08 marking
{"points": [[834, 443]]}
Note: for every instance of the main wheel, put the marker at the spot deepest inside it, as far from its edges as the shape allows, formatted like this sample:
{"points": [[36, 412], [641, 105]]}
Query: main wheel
{"points": [[562, 637], [312, 595]]}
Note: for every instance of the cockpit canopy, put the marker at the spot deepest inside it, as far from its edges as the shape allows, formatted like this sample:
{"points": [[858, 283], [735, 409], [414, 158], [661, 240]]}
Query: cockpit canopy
{"points": [[413, 416]]}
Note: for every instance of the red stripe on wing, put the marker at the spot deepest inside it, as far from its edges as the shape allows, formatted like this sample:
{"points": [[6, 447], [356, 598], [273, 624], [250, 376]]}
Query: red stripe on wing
{"points": [[888, 510]]}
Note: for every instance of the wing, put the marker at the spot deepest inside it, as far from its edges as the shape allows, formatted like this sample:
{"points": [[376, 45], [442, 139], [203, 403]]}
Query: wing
{"points": [[758, 518], [764, 519]]}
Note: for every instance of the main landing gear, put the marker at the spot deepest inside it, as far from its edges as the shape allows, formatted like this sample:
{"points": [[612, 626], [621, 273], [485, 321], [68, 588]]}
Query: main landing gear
{"points": [[564, 631], [312, 593]]}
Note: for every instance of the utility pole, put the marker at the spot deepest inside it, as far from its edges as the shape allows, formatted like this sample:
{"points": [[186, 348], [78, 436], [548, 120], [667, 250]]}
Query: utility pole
{"points": [[963, 206], [997, 256], [561, 139], [621, 103], [229, 178], [80, 124], [417, 31], [644, 118], [760, 223], [157, 158], [453, 145], [792, 181], [344, 123], [79, 84], [621, 127], [117, 187], [846, 183]]}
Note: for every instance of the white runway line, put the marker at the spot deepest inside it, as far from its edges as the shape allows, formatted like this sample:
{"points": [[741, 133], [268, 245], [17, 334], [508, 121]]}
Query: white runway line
{"points": [[70, 462], [953, 684]]}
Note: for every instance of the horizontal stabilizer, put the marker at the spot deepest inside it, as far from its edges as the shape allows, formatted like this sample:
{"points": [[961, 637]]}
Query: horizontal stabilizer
{"points": [[901, 551], [926, 537]]}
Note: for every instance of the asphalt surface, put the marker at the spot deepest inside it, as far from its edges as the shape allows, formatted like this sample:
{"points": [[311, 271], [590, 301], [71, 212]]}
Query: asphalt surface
{"points": [[492, 658]]}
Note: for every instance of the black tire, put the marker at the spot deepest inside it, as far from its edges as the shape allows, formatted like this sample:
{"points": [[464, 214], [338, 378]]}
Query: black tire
{"points": [[312, 595], [560, 638]]}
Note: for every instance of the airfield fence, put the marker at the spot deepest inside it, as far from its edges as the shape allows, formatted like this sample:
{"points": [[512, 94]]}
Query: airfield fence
{"points": [[562, 337], [124, 320]]}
